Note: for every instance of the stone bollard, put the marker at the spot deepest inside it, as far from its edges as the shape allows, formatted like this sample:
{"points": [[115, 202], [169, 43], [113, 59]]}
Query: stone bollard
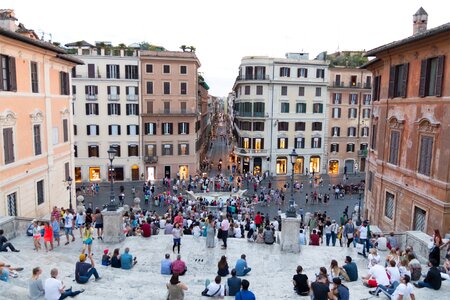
{"points": [[290, 228], [113, 226]]}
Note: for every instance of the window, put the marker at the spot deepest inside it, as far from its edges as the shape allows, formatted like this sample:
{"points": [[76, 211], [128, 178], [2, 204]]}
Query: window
{"points": [[334, 148], [366, 113], [336, 112], [150, 150], [132, 109], [353, 80], [75, 150], [373, 142], [318, 91], [133, 150], [353, 99], [149, 107], [283, 126], [150, 128], [112, 71], [320, 73], [302, 72], [74, 92], [350, 147], [149, 89], [351, 131], [369, 186], [258, 126], [183, 149], [8, 145], [420, 217], [167, 128], [34, 77], [337, 98], [300, 108], [132, 93], [246, 125], [113, 92], [365, 131], [247, 90], [389, 205], [425, 155], [285, 72], [300, 126], [183, 128], [166, 105], [40, 192], [183, 88], [167, 149], [317, 126], [183, 107], [75, 130], [131, 72], [282, 143], [113, 109], [91, 92], [91, 109], [316, 142], [431, 76], [93, 151], [92, 129], [301, 91], [245, 143], [259, 90], [394, 147], [8, 74], [363, 146], [367, 99], [352, 113], [148, 68], [117, 148], [284, 90], [368, 82], [91, 71], [55, 131], [166, 88], [337, 81], [398, 80], [376, 88], [65, 130], [335, 131], [183, 69], [37, 139], [114, 129], [317, 108], [66, 170], [166, 69], [12, 204], [284, 107], [64, 83], [299, 142], [132, 129]]}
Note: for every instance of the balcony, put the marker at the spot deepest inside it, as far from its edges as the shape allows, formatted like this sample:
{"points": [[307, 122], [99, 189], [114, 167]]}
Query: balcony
{"points": [[251, 152], [150, 159], [338, 84], [253, 77], [367, 85], [173, 112], [355, 85], [114, 97], [249, 114], [362, 153], [91, 97], [132, 97]]}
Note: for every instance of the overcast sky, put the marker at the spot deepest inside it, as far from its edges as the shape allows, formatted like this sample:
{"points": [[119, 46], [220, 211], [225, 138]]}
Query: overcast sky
{"points": [[225, 31]]}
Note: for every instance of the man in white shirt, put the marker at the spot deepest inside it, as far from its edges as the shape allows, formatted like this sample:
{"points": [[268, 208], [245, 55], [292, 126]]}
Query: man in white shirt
{"points": [[363, 232], [55, 289], [224, 226], [393, 272], [377, 276], [68, 225], [402, 291], [215, 289]]}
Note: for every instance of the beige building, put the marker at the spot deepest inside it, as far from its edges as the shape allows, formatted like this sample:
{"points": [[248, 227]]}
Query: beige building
{"points": [[106, 110], [36, 138], [349, 109], [172, 114]]}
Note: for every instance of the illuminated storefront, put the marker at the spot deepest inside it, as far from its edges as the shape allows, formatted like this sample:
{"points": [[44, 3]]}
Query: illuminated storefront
{"points": [[184, 172], [94, 173], [78, 174], [314, 164], [257, 164], [281, 165], [299, 165], [134, 172], [333, 167], [151, 171]]}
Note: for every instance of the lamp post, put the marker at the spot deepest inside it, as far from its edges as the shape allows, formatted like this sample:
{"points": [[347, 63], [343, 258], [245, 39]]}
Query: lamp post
{"points": [[69, 187], [359, 204], [112, 206], [290, 212]]}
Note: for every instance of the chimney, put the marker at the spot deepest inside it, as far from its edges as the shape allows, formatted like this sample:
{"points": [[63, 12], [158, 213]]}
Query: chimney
{"points": [[420, 20], [8, 19]]}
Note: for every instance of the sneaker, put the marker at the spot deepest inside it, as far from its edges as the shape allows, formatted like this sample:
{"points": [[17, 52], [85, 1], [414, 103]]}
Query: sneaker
{"points": [[16, 250], [98, 278], [373, 293], [82, 290], [417, 286], [19, 269]]}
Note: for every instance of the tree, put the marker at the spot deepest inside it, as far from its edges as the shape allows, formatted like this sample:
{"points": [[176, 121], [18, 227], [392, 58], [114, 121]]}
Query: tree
{"points": [[183, 47], [144, 46]]}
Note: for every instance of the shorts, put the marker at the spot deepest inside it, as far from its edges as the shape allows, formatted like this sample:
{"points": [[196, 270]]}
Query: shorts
{"points": [[37, 237], [56, 234], [68, 230], [372, 283], [98, 225], [88, 241]]}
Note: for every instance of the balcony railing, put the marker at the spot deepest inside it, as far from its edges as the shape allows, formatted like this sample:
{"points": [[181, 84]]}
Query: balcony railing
{"points": [[252, 77], [367, 85], [251, 114], [114, 97], [354, 84], [151, 159], [338, 84], [362, 153], [175, 112], [132, 97], [250, 151], [91, 97]]}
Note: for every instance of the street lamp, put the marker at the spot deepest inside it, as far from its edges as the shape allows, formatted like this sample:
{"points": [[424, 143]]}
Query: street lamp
{"points": [[359, 204], [69, 187], [112, 206], [290, 212]]}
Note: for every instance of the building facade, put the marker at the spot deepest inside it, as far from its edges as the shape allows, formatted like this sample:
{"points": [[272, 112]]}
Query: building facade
{"points": [[172, 114], [280, 105], [349, 110], [36, 138], [408, 174], [106, 113]]}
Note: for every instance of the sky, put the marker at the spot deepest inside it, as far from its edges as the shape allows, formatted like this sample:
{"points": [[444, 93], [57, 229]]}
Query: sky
{"points": [[223, 32]]}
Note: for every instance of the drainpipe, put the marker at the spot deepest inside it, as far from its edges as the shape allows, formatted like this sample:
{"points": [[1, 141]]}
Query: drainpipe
{"points": [[271, 118]]}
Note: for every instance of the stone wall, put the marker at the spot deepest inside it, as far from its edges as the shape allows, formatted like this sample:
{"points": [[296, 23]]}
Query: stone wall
{"points": [[15, 226]]}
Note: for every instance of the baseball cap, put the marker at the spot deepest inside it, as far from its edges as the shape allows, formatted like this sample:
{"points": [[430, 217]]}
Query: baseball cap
{"points": [[106, 251], [82, 257]]}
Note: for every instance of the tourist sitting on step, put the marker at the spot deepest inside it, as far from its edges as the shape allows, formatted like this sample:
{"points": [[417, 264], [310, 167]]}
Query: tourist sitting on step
{"points": [[242, 268], [35, 285], [233, 283], [166, 265], [115, 259], [4, 244], [127, 260], [84, 270], [55, 289], [300, 281], [339, 291], [106, 258], [214, 289], [7, 271], [245, 294], [433, 279], [376, 276], [269, 235], [175, 288], [223, 269], [178, 266], [351, 269]]}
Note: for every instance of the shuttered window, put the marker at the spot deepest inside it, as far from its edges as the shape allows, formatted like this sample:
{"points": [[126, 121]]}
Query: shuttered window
{"points": [[37, 139], [376, 88], [300, 126], [8, 73], [420, 217], [65, 130], [12, 204], [394, 147], [40, 192], [389, 205], [283, 126], [150, 128], [91, 70], [299, 143], [425, 155], [373, 142], [34, 77], [300, 108], [398, 80], [8, 145], [316, 142], [431, 76], [64, 83], [369, 186]]}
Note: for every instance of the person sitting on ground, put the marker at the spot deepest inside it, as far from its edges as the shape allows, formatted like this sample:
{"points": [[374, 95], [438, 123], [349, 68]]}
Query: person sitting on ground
{"points": [[373, 254], [166, 264], [115, 259], [234, 283], [223, 267], [4, 244], [393, 272], [302, 237], [251, 235], [404, 289], [351, 269], [323, 271], [320, 288], [314, 238], [269, 236], [146, 230], [391, 242], [433, 279], [84, 270], [376, 276], [336, 271], [414, 267], [214, 289], [392, 256], [381, 243], [178, 266], [35, 286], [7, 271], [241, 266], [106, 258], [127, 261], [176, 288], [54, 289], [339, 291], [301, 283], [260, 236], [245, 294]]}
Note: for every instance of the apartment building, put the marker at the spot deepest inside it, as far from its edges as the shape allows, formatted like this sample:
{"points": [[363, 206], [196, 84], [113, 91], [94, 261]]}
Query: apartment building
{"points": [[349, 110], [36, 156], [408, 174], [172, 113], [280, 105], [106, 112]]}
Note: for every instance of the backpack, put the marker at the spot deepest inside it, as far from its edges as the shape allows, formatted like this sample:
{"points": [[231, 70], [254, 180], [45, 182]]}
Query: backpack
{"points": [[30, 230]]}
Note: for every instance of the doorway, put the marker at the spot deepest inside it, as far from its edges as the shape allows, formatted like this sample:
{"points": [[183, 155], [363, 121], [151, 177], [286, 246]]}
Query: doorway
{"points": [[314, 164], [151, 171], [134, 173], [167, 172], [349, 165], [257, 164], [246, 165], [362, 167]]}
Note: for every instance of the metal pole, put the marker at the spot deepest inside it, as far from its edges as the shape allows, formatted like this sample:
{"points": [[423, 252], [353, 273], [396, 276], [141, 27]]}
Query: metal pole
{"points": [[359, 208], [70, 196], [112, 205], [290, 212]]}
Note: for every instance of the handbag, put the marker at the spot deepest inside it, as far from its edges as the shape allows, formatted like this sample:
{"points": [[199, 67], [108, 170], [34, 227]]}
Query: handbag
{"points": [[205, 292]]}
